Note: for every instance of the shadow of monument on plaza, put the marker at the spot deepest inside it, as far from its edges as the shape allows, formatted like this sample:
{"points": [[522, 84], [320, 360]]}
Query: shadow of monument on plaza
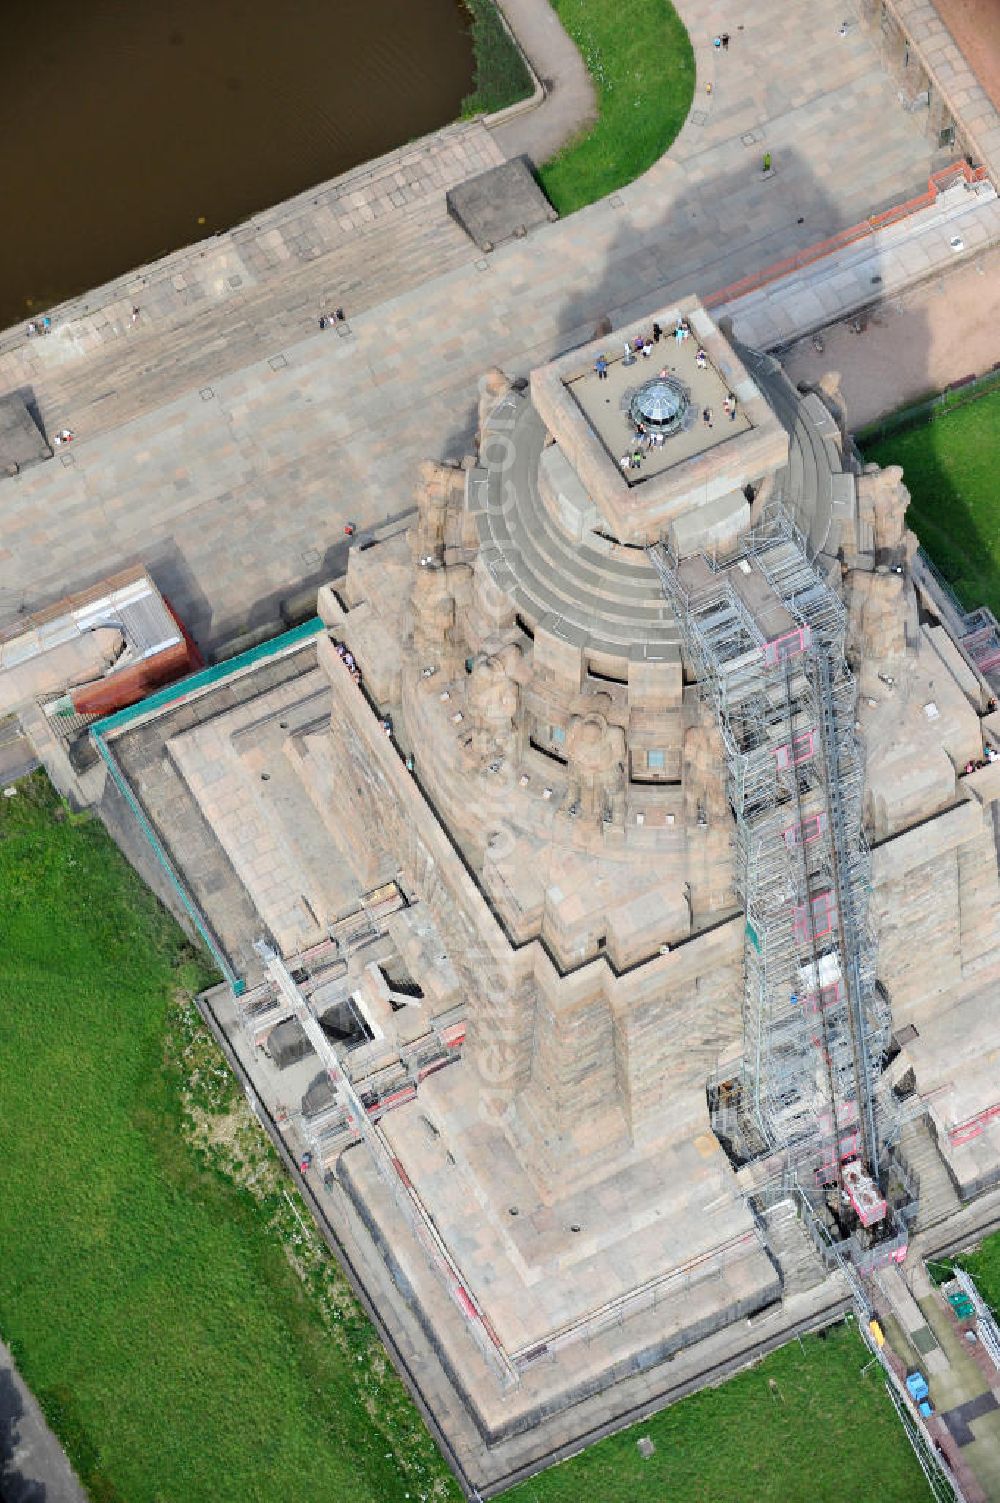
{"points": [[277, 610], [687, 252], [712, 235], [709, 237]]}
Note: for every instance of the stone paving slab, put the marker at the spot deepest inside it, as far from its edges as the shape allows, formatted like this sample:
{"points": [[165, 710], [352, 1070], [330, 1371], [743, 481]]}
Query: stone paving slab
{"points": [[223, 466], [959, 1419]]}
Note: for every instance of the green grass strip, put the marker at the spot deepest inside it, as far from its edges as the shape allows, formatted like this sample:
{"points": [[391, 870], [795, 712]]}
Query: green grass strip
{"points": [[805, 1423], [950, 467], [642, 64], [146, 1294], [151, 1305], [984, 1265], [502, 77]]}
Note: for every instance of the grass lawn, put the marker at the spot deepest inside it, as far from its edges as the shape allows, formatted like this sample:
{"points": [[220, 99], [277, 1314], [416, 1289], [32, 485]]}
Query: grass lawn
{"points": [[501, 75], [950, 465], [186, 1335], [171, 1304], [642, 65], [984, 1266], [804, 1424]]}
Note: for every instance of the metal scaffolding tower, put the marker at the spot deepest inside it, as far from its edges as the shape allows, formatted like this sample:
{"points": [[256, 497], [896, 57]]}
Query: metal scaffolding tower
{"points": [[765, 636]]}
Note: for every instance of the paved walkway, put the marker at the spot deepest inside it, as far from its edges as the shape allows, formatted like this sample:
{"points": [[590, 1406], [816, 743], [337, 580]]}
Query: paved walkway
{"points": [[569, 103], [878, 268], [939, 331], [225, 441], [33, 1466]]}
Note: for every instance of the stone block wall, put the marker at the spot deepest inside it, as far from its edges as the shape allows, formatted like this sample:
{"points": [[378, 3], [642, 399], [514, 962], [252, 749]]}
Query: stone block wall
{"points": [[692, 1017], [933, 77], [935, 906], [591, 1059]]}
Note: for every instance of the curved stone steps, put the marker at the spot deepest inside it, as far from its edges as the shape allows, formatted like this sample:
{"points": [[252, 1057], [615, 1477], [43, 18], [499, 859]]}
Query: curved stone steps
{"points": [[612, 599], [585, 574], [806, 483], [540, 591], [549, 574]]}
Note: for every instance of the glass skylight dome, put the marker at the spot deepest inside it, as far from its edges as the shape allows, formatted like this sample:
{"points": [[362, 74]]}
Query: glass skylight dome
{"points": [[659, 405]]}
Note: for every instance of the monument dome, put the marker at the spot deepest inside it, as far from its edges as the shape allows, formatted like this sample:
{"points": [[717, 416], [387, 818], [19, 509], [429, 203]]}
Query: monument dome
{"points": [[660, 405]]}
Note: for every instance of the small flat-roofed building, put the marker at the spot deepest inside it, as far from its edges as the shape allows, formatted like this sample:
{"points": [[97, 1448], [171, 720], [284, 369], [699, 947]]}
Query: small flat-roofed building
{"points": [[22, 444]]}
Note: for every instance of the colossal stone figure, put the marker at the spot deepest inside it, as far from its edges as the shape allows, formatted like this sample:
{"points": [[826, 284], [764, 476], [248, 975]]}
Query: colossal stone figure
{"points": [[493, 387], [438, 493], [878, 596], [595, 752], [493, 697]]}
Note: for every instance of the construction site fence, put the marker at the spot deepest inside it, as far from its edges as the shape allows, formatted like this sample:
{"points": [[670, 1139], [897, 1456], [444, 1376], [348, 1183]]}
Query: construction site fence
{"points": [[957, 394]]}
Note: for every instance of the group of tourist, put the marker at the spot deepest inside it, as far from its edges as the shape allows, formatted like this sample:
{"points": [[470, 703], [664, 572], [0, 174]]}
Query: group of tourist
{"points": [[633, 459], [989, 755], [329, 320], [643, 344], [347, 658]]}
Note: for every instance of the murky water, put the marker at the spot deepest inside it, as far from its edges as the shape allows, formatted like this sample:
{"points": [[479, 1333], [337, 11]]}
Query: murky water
{"points": [[131, 127]]}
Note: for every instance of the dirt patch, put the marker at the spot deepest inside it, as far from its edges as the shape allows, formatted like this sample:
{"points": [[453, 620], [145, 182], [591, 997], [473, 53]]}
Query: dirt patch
{"points": [[938, 332], [975, 25]]}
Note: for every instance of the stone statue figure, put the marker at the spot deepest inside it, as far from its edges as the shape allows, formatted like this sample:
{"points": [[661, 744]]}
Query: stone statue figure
{"points": [[439, 495], [882, 503], [595, 753], [492, 702], [879, 597], [433, 608], [493, 387], [706, 802], [877, 615]]}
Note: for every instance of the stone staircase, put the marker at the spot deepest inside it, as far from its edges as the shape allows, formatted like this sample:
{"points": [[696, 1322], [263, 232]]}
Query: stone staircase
{"points": [[812, 485], [604, 594], [790, 1244], [938, 1197]]}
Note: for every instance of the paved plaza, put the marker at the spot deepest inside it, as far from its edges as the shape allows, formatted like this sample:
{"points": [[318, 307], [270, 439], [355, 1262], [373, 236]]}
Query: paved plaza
{"points": [[225, 440]]}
